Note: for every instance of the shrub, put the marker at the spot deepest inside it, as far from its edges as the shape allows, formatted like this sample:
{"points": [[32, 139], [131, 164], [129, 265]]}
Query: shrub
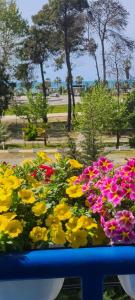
{"points": [[132, 142], [30, 132]]}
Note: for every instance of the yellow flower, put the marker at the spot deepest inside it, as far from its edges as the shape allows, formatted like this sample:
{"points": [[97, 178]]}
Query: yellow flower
{"points": [[51, 220], [5, 200], [75, 164], [33, 181], [62, 211], [74, 191], [99, 238], [39, 209], [3, 222], [27, 196], [58, 236], [71, 180], [8, 172], [27, 162], [72, 223], [77, 239], [12, 182], [10, 216], [38, 234], [58, 156], [86, 223], [44, 156], [14, 228]]}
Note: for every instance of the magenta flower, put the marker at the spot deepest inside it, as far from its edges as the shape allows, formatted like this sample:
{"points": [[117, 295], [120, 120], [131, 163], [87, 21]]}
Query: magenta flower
{"points": [[111, 228], [130, 167], [91, 173], [129, 189], [124, 236], [115, 195], [98, 206], [105, 164], [125, 219], [86, 187], [106, 186], [92, 198]]}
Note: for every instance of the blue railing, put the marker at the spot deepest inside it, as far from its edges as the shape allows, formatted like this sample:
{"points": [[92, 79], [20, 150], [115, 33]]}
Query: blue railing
{"points": [[90, 264]]}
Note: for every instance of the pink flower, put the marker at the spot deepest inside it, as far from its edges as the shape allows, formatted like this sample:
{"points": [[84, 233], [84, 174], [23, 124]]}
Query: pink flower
{"points": [[125, 219], [115, 195], [110, 228], [106, 186], [124, 236], [129, 189], [130, 167], [105, 164], [98, 206], [91, 173], [92, 198]]}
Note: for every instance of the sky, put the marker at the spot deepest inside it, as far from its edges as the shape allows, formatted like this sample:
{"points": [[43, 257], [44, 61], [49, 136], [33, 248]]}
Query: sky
{"points": [[83, 66]]}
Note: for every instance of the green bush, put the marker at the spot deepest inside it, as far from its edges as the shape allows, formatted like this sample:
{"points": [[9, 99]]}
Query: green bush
{"points": [[132, 142], [30, 132]]}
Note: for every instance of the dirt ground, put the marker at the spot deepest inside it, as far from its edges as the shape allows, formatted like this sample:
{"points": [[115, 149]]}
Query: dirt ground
{"points": [[119, 157]]}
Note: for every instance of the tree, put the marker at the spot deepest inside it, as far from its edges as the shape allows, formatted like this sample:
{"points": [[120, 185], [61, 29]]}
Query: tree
{"points": [[127, 67], [130, 105], [66, 19], [36, 49], [58, 81], [24, 73], [107, 17], [35, 110], [96, 117], [6, 89], [12, 28], [91, 47], [119, 53], [79, 80]]}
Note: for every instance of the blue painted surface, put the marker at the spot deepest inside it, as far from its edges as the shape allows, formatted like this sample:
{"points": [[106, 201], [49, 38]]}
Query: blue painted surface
{"points": [[90, 264]]}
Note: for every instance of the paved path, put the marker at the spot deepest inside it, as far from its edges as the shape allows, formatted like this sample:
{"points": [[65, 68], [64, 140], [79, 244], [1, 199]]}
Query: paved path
{"points": [[52, 99], [14, 118]]}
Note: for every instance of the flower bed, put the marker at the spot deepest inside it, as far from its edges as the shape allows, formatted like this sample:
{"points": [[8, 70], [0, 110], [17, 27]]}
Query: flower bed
{"points": [[44, 203]]}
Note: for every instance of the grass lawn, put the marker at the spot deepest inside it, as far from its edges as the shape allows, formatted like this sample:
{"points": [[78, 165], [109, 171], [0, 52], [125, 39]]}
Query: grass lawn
{"points": [[121, 156], [52, 109]]}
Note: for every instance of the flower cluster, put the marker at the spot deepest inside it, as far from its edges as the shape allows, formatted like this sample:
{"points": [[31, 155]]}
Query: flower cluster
{"points": [[45, 203], [40, 207], [110, 194]]}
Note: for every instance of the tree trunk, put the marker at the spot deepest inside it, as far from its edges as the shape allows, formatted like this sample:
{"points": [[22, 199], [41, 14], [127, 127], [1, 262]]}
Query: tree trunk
{"points": [[103, 60], [118, 98], [97, 69], [72, 91], [69, 118], [69, 76], [43, 80], [118, 139], [45, 119]]}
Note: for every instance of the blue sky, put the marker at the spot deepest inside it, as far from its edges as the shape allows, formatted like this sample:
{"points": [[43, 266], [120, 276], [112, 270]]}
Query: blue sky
{"points": [[84, 65]]}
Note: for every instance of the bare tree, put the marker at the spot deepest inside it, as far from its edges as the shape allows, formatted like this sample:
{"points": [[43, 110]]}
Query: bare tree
{"points": [[118, 55], [91, 47], [106, 18]]}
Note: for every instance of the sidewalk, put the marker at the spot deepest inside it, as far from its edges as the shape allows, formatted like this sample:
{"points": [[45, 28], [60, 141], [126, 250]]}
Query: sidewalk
{"points": [[15, 118]]}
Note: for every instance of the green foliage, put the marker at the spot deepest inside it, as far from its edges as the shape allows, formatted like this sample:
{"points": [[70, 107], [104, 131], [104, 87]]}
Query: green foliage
{"points": [[132, 142], [95, 118], [23, 73], [6, 89], [3, 133], [12, 27], [130, 104], [30, 132], [35, 109]]}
